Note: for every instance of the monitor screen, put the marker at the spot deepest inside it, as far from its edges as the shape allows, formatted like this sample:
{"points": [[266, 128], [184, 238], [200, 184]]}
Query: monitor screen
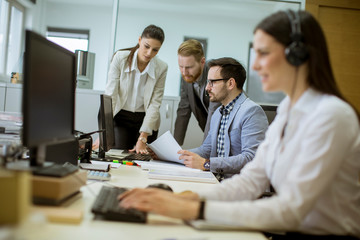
{"points": [[105, 121], [48, 92]]}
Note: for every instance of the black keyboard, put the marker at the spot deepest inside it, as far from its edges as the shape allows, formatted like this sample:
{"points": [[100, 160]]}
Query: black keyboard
{"points": [[106, 206], [130, 157], [138, 156]]}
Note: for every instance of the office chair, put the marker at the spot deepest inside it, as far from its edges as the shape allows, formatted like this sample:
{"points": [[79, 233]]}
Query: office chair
{"points": [[270, 111]]}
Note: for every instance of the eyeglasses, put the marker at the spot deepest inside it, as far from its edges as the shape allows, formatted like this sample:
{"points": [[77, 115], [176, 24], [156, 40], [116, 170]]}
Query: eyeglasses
{"points": [[211, 81]]}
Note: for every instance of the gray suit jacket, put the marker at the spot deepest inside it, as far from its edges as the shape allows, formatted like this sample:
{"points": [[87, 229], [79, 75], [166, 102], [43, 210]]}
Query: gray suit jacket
{"points": [[245, 130], [190, 103]]}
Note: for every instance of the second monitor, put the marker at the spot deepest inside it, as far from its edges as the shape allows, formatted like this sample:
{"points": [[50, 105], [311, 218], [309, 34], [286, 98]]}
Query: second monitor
{"points": [[105, 122]]}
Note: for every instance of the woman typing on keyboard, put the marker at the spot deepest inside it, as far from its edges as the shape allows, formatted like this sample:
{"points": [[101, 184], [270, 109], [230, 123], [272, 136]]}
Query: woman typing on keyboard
{"points": [[310, 154]]}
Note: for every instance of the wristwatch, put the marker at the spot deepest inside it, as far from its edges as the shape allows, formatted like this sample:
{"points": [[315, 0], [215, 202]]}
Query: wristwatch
{"points": [[143, 139], [201, 214], [207, 165]]}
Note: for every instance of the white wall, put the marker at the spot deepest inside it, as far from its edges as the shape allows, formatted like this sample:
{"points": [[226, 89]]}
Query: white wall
{"points": [[228, 28], [95, 18], [227, 25], [222, 40]]}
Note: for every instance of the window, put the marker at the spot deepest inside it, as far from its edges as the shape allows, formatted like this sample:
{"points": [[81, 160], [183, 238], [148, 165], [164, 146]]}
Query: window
{"points": [[71, 39], [11, 30]]}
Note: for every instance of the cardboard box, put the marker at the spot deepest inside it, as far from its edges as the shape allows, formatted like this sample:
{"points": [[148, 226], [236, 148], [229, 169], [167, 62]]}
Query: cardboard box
{"points": [[15, 197], [55, 189]]}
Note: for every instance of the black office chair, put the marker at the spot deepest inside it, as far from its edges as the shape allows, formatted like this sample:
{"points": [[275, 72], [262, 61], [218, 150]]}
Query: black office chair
{"points": [[270, 111]]}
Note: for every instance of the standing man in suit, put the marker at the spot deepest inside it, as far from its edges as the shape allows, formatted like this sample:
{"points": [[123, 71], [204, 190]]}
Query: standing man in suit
{"points": [[194, 98], [237, 127]]}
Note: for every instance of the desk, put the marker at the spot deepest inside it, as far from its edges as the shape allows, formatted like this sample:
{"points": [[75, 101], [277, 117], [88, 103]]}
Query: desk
{"points": [[157, 228]]}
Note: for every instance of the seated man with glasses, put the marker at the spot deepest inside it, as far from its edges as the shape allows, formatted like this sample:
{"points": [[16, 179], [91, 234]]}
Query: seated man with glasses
{"points": [[237, 127]]}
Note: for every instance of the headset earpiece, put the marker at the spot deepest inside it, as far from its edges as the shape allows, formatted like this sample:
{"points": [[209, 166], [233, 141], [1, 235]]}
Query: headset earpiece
{"points": [[296, 52]]}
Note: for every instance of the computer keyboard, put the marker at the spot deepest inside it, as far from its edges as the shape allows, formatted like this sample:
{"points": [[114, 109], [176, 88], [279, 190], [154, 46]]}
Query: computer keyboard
{"points": [[98, 175], [130, 157], [106, 206], [138, 156]]}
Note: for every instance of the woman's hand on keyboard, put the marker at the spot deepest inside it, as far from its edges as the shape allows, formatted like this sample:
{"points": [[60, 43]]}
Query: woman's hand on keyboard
{"points": [[160, 202], [140, 147]]}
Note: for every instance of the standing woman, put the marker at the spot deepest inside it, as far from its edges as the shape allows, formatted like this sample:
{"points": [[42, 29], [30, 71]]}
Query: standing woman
{"points": [[310, 154], [136, 82]]}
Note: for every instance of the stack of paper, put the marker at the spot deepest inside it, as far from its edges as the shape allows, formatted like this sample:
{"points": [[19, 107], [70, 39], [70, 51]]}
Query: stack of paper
{"points": [[181, 175], [175, 171], [170, 167]]}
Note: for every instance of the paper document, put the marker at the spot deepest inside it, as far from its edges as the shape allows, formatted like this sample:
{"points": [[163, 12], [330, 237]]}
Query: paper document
{"points": [[164, 165], [208, 225], [116, 153], [166, 148], [181, 175]]}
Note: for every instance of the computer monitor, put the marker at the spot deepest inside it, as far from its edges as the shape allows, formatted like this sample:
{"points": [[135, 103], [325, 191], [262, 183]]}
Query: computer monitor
{"points": [[48, 101], [105, 122]]}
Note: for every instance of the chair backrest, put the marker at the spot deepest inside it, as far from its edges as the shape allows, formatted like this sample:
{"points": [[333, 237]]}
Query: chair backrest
{"points": [[270, 111]]}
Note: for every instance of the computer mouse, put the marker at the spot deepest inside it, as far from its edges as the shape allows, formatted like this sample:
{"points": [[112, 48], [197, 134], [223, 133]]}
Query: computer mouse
{"points": [[160, 186]]}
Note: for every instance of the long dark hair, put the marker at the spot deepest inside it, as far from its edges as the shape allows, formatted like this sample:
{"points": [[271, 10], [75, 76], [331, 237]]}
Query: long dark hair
{"points": [[320, 76], [150, 31]]}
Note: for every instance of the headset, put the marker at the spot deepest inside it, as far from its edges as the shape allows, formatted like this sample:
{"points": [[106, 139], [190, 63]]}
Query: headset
{"points": [[296, 52]]}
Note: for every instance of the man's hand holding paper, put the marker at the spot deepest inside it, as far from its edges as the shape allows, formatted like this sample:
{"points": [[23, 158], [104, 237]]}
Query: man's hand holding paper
{"points": [[191, 159], [166, 148]]}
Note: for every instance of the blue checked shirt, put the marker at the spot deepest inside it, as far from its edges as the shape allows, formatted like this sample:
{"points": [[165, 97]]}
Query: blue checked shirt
{"points": [[225, 113]]}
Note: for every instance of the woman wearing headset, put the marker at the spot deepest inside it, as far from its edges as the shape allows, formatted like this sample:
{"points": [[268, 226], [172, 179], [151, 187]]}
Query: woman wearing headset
{"points": [[310, 154], [136, 82]]}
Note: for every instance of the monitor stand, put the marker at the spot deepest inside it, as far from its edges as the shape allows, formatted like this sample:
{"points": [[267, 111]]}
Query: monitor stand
{"points": [[37, 155], [24, 165]]}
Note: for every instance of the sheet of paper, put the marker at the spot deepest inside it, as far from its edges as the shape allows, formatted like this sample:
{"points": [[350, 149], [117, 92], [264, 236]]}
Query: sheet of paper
{"points": [[181, 175], [208, 225], [166, 148], [116, 153], [113, 165], [165, 165]]}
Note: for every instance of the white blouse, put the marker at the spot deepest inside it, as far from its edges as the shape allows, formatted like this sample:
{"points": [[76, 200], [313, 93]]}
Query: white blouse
{"points": [[314, 169], [135, 100], [120, 84]]}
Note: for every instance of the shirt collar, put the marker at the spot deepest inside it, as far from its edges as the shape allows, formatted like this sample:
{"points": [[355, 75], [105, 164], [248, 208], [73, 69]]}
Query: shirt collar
{"points": [[150, 68], [227, 109], [304, 103]]}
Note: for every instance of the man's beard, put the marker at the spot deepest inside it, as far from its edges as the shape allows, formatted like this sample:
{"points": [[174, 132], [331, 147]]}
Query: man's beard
{"points": [[220, 96], [192, 79]]}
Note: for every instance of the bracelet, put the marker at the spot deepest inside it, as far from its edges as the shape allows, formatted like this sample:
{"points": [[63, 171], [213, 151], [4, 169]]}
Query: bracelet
{"points": [[201, 210]]}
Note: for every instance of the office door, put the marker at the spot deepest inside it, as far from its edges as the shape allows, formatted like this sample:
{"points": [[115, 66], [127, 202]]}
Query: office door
{"points": [[340, 21]]}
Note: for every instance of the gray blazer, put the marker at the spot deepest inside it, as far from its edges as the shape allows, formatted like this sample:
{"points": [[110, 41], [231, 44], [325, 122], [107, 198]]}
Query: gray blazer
{"points": [[244, 132], [190, 103]]}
